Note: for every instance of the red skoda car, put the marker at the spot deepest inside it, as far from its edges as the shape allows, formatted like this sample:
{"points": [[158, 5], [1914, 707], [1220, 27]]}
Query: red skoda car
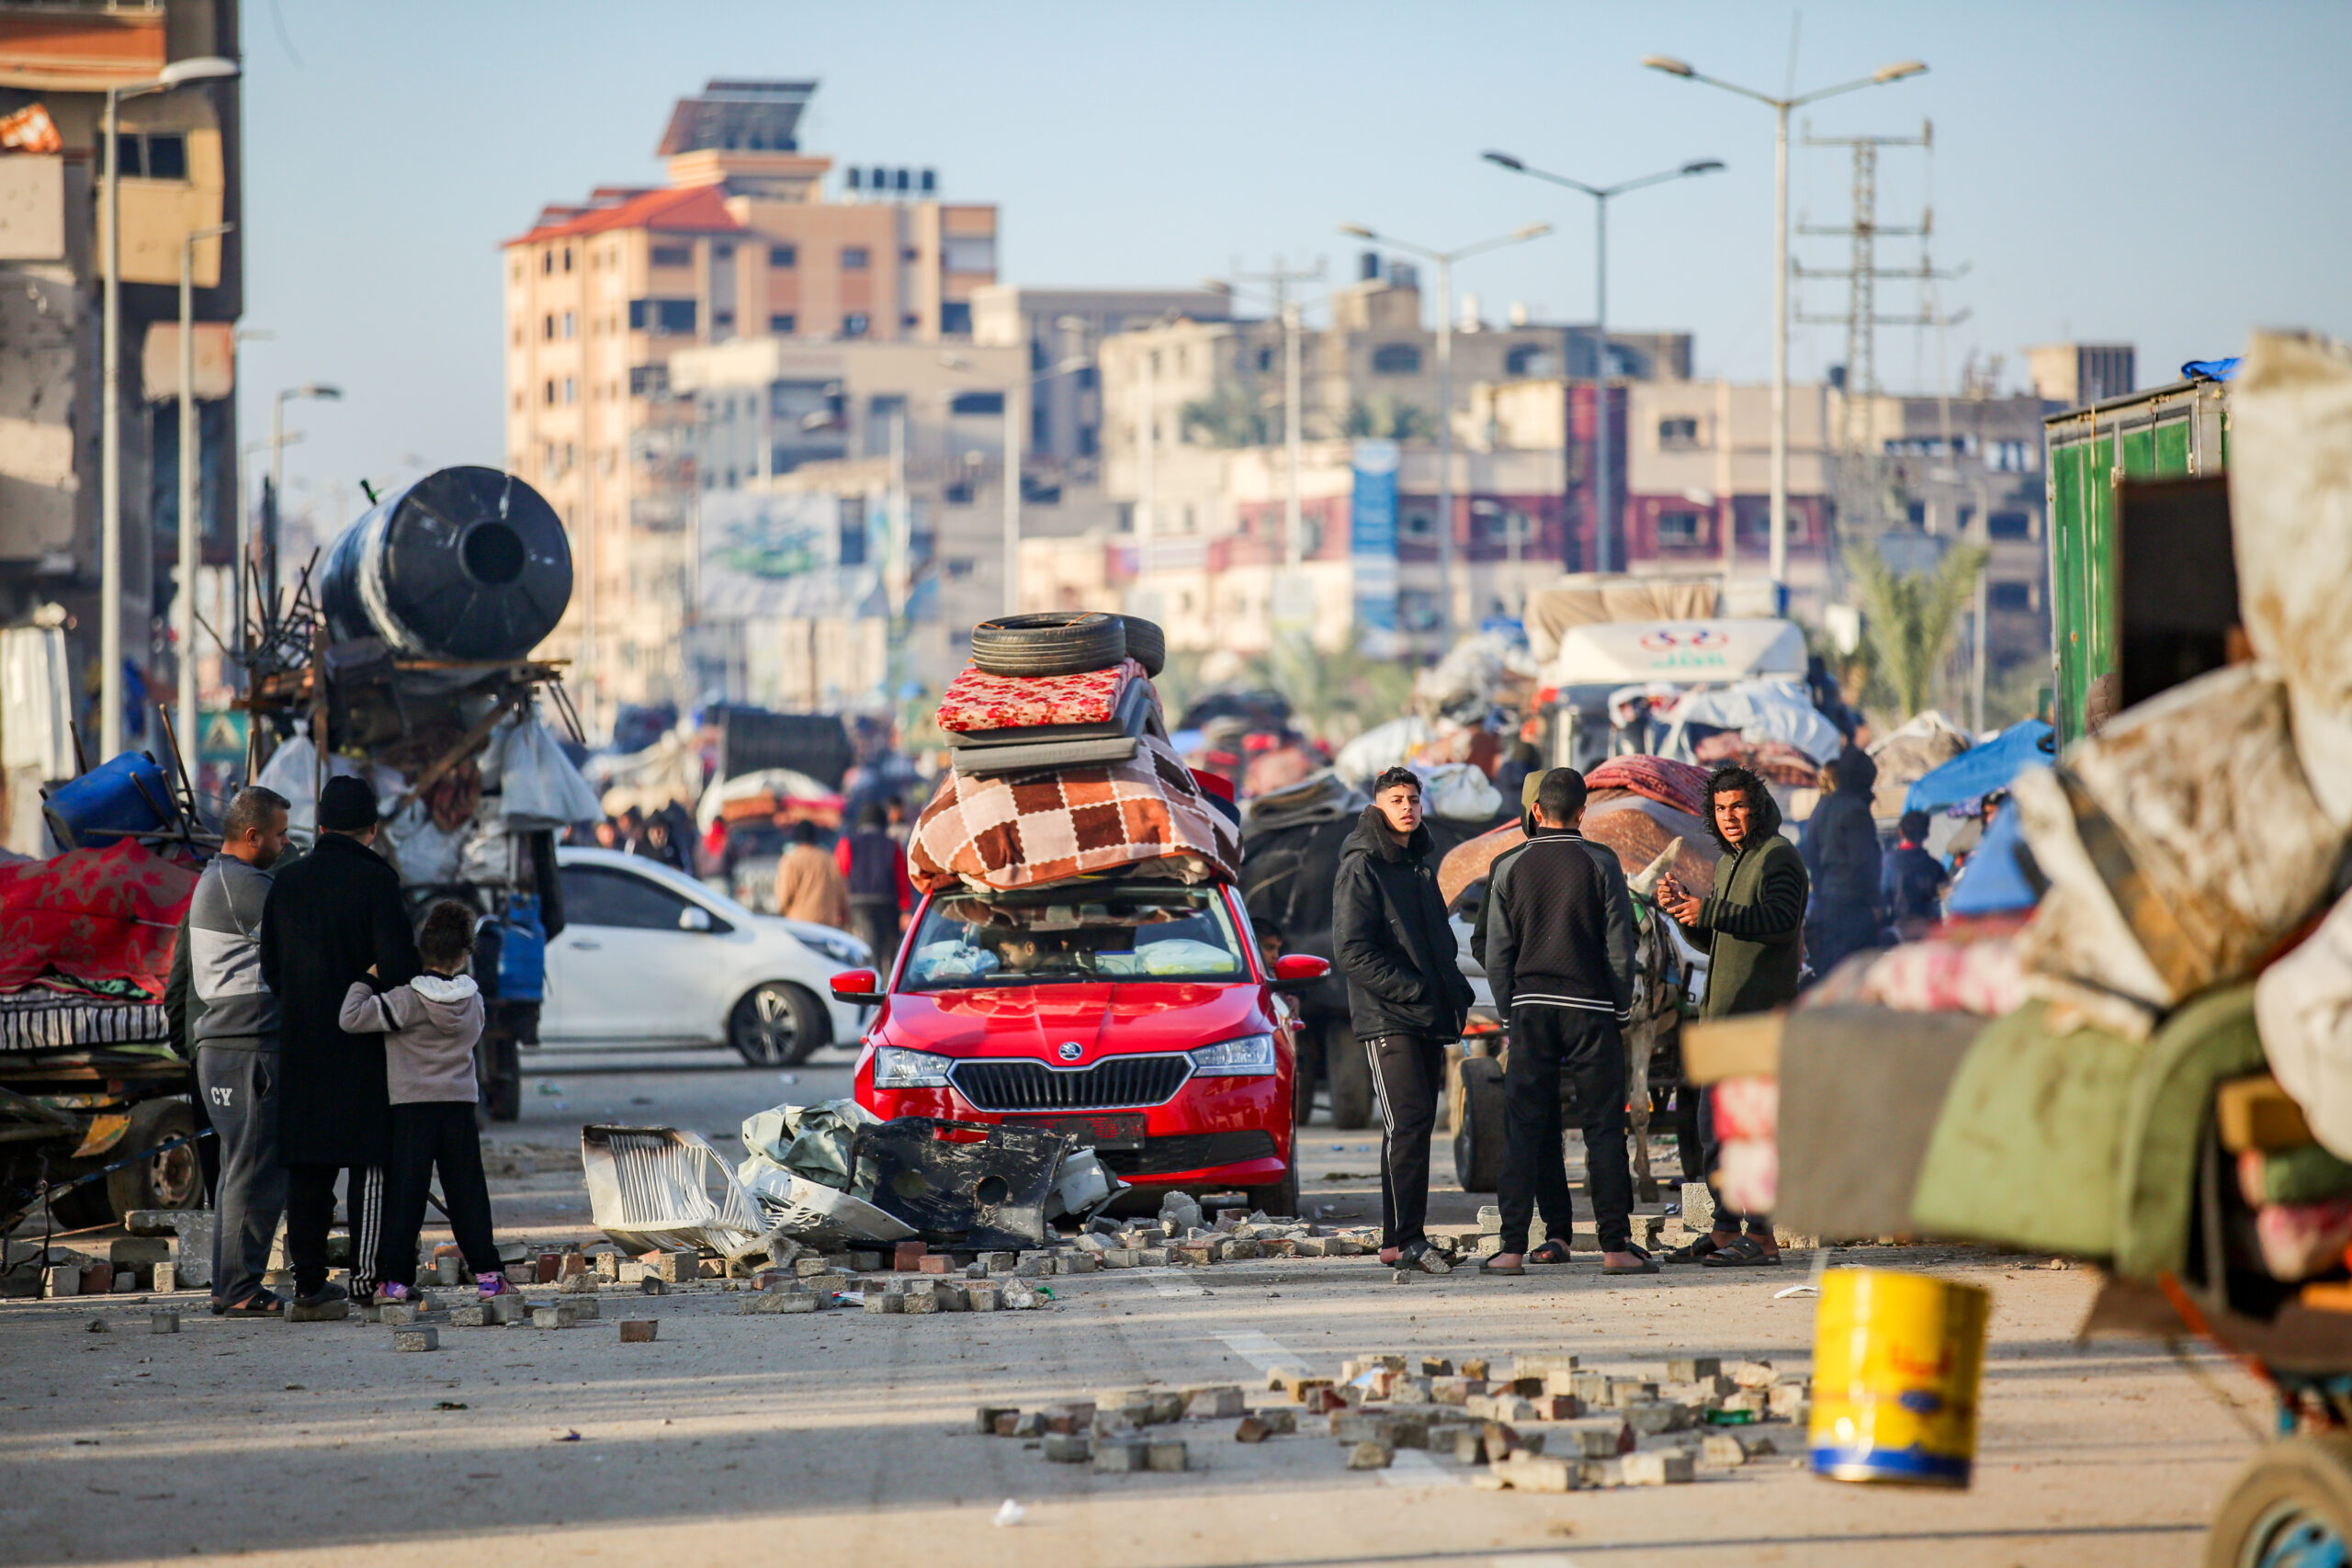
{"points": [[1135, 1014]]}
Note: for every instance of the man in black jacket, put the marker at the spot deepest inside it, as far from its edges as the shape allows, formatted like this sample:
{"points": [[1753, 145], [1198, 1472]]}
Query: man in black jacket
{"points": [[1406, 998], [333, 917], [1841, 857], [1560, 957]]}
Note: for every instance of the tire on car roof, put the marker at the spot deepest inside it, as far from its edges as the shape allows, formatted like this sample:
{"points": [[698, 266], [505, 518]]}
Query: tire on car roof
{"points": [[1147, 644], [1053, 642]]}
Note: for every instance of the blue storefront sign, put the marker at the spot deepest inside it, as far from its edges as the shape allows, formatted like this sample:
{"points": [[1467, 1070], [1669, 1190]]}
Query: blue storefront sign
{"points": [[1371, 536]]}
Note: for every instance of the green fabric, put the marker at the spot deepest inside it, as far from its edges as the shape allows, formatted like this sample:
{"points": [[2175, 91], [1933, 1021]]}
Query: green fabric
{"points": [[2208, 1041], [1758, 971], [2302, 1175], [2025, 1150]]}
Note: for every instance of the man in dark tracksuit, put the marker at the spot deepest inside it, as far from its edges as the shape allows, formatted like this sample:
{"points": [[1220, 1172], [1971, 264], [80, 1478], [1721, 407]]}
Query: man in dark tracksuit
{"points": [[226, 1018], [1754, 926], [333, 915], [1560, 957], [1406, 998]]}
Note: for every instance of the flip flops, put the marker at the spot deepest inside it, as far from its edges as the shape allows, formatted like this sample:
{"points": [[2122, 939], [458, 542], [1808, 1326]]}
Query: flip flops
{"points": [[1696, 1251], [1745, 1252], [1644, 1263], [261, 1304], [1490, 1266], [1554, 1250]]}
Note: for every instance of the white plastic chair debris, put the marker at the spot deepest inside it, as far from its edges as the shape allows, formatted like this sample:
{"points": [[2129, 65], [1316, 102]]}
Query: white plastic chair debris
{"points": [[652, 1187]]}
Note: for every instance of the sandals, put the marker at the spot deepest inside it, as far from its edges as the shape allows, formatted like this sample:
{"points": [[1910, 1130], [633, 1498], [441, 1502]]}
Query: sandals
{"points": [[1644, 1263], [1420, 1255], [1696, 1251], [1745, 1252], [1554, 1250], [1488, 1265], [261, 1304]]}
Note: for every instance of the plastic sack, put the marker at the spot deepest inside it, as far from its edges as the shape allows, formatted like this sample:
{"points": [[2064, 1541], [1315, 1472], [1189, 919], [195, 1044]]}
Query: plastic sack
{"points": [[539, 787], [2290, 515], [2302, 1007], [1382, 747], [425, 855], [2182, 843], [1460, 793], [292, 770]]}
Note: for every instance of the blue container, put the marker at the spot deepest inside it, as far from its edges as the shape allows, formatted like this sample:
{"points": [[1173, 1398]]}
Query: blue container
{"points": [[522, 952], [129, 795]]}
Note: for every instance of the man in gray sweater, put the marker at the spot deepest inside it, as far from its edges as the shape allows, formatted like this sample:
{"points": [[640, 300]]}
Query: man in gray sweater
{"points": [[229, 1022]]}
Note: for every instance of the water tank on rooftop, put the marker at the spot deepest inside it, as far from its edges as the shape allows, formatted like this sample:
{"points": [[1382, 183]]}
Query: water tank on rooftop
{"points": [[467, 563]]}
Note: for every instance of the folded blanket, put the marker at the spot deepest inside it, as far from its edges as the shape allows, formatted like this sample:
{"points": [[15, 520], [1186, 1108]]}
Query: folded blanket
{"points": [[1018, 829], [41, 1019], [104, 914], [1137, 710], [1662, 779], [976, 701]]}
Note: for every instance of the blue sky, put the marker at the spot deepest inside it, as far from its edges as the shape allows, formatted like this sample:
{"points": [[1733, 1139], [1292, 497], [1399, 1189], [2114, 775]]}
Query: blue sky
{"points": [[2167, 174]]}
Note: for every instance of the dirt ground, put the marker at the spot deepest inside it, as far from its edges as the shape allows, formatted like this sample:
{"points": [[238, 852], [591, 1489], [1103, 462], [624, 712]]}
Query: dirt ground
{"points": [[845, 1436]]}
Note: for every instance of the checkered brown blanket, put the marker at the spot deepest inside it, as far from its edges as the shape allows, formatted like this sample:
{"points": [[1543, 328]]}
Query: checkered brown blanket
{"points": [[1019, 829]]}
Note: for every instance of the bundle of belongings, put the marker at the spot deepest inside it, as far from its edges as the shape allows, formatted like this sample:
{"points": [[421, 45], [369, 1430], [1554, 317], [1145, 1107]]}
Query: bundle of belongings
{"points": [[2166, 1040], [86, 940], [1066, 775]]}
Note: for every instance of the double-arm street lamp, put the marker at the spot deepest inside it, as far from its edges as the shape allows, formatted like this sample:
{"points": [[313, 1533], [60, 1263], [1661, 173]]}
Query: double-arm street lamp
{"points": [[179, 72], [1604, 517], [1781, 108], [1445, 260]]}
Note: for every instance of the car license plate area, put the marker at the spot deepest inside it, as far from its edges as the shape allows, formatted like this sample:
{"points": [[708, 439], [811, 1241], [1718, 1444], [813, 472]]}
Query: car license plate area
{"points": [[1102, 1130]]}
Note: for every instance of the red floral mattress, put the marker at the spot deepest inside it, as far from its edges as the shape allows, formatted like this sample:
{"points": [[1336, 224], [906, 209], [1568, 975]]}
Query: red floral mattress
{"points": [[975, 702], [110, 914]]}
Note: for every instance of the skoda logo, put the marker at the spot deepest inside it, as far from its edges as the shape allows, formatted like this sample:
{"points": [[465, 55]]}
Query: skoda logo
{"points": [[1071, 1051]]}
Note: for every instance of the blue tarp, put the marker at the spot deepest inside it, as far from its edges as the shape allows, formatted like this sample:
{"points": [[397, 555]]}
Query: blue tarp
{"points": [[1991, 883], [2209, 369], [1980, 769]]}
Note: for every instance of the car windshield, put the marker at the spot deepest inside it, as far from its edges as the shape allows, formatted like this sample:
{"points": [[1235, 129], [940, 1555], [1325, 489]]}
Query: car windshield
{"points": [[1114, 931]]}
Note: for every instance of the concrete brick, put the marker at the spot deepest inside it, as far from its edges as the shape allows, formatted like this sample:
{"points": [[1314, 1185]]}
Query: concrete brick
{"points": [[1240, 1251], [1251, 1430], [1069, 1448], [416, 1339], [1692, 1369], [1753, 1374], [933, 1263], [1543, 1365], [880, 1300], [1220, 1401], [163, 1322], [653, 1285], [583, 1309], [1355, 1427], [1698, 1206], [919, 1301], [1756, 1402], [126, 1282], [1000, 1262], [1121, 1258], [1790, 1400], [1657, 1467], [1014, 1296], [1281, 1421], [771, 1303], [640, 1330], [476, 1317], [951, 1297], [554, 1317], [906, 1257], [1152, 1258], [1371, 1455], [675, 1264], [167, 1277], [1311, 1246], [404, 1315], [139, 1251], [1034, 1265], [324, 1312], [1078, 1263], [1724, 1449], [1655, 1417], [981, 1297], [1076, 1416], [570, 1264], [1166, 1455], [1533, 1472], [573, 1285], [1121, 1458], [97, 1278]]}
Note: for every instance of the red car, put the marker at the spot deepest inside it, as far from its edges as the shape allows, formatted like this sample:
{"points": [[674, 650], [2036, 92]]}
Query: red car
{"points": [[1135, 1015]]}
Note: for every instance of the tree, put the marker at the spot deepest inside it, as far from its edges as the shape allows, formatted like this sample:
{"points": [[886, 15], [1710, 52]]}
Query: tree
{"points": [[1386, 417], [1911, 621], [1231, 416]]}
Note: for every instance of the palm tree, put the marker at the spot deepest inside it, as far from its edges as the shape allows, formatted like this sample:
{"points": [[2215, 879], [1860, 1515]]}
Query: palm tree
{"points": [[1231, 416], [1911, 620]]}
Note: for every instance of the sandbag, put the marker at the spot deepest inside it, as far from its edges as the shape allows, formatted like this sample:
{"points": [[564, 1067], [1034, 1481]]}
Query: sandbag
{"points": [[2303, 1006], [2183, 843], [2290, 515]]}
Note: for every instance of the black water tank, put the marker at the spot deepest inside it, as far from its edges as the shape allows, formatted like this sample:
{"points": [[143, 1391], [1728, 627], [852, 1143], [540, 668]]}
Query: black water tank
{"points": [[466, 563]]}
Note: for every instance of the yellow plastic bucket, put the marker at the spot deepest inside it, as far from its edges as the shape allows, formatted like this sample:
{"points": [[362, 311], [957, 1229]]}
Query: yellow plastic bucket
{"points": [[1897, 1359]]}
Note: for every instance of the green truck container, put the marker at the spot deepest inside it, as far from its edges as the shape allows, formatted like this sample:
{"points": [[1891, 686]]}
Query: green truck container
{"points": [[2096, 457]]}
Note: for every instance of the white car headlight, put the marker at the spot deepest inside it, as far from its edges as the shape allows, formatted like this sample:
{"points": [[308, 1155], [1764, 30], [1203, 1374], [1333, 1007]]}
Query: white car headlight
{"points": [[845, 950], [1251, 1055], [895, 1067]]}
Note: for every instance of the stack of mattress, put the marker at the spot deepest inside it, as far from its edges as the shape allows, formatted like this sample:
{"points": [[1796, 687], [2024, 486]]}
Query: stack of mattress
{"points": [[1010, 723]]}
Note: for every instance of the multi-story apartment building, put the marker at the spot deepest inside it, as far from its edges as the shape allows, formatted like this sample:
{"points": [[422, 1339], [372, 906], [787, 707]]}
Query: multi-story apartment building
{"points": [[751, 236], [180, 174]]}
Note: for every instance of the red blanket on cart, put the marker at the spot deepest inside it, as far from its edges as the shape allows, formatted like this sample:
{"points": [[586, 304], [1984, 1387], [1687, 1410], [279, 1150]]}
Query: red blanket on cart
{"points": [[1015, 830], [110, 914], [1662, 779], [974, 701]]}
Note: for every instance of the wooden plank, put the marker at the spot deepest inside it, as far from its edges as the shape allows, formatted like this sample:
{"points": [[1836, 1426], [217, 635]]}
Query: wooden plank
{"points": [[1719, 1048]]}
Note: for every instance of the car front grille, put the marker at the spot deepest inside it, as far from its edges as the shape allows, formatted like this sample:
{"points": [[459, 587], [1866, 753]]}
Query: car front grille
{"points": [[1120, 1082], [1188, 1151]]}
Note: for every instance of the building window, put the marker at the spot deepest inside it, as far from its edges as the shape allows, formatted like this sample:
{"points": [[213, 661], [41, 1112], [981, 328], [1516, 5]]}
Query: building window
{"points": [[550, 394], [1396, 359], [721, 250], [547, 261], [571, 389], [674, 255], [2009, 524], [1677, 435], [567, 258], [1915, 513], [2009, 457], [855, 323], [648, 381], [977, 403], [955, 319], [1420, 525], [1677, 530], [855, 258], [784, 255], [969, 253], [571, 324], [911, 321], [786, 322], [2012, 597], [547, 326], [909, 253], [660, 316], [1527, 359], [157, 155]]}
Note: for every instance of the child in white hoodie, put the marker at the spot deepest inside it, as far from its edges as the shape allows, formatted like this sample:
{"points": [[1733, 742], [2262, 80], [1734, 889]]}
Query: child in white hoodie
{"points": [[430, 1026]]}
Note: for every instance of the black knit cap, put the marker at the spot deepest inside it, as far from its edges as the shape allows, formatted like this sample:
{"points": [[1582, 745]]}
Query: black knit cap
{"points": [[347, 804]]}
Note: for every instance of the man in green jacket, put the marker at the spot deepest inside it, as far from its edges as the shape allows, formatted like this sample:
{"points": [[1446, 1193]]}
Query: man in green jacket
{"points": [[1753, 926]]}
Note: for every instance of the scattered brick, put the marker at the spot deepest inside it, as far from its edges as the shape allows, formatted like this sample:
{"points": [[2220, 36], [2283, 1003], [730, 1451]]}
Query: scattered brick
{"points": [[931, 1262], [163, 1322], [554, 1317], [1370, 1456], [908, 1256], [980, 1297], [640, 1330], [1218, 1400], [1690, 1368], [1069, 1448], [1657, 1467], [984, 1418], [416, 1339], [322, 1311], [1121, 1458], [1533, 1472], [879, 1300], [653, 1285]]}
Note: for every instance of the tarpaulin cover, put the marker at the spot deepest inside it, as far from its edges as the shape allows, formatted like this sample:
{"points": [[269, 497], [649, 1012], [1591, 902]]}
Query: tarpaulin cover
{"points": [[1765, 711], [1925, 743], [109, 914], [1980, 769], [1992, 883], [1017, 830], [1682, 785], [1590, 597]]}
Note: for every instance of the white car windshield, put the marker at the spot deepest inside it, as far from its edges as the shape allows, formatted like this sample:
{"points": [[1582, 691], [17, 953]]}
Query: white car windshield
{"points": [[1114, 931]]}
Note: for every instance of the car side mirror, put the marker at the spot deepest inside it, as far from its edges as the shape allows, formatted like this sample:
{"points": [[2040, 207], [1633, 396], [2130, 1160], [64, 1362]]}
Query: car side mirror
{"points": [[1298, 971], [694, 918], [857, 985]]}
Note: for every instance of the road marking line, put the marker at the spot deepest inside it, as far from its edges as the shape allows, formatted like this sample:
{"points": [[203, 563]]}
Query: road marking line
{"points": [[1413, 1467], [1262, 1351]]}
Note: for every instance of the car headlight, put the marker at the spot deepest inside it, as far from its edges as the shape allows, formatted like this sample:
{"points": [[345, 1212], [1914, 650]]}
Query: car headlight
{"points": [[895, 1067], [845, 951], [1251, 1055]]}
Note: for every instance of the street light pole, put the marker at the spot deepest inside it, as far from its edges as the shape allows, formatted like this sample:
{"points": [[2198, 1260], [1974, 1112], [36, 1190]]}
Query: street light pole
{"points": [[183, 601], [1781, 107], [1604, 513], [1445, 260], [203, 68], [279, 441]]}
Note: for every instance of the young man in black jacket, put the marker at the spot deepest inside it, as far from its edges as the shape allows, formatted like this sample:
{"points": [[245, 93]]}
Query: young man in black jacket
{"points": [[1406, 998], [1560, 957]]}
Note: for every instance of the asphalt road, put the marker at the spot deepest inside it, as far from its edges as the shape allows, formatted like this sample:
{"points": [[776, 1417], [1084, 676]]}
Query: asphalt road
{"points": [[843, 1436]]}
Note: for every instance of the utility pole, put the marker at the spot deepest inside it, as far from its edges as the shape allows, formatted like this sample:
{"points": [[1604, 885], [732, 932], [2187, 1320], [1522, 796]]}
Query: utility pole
{"points": [[1278, 280]]}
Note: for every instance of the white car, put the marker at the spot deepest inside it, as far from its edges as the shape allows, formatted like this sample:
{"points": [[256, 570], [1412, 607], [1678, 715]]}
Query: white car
{"points": [[650, 957]]}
